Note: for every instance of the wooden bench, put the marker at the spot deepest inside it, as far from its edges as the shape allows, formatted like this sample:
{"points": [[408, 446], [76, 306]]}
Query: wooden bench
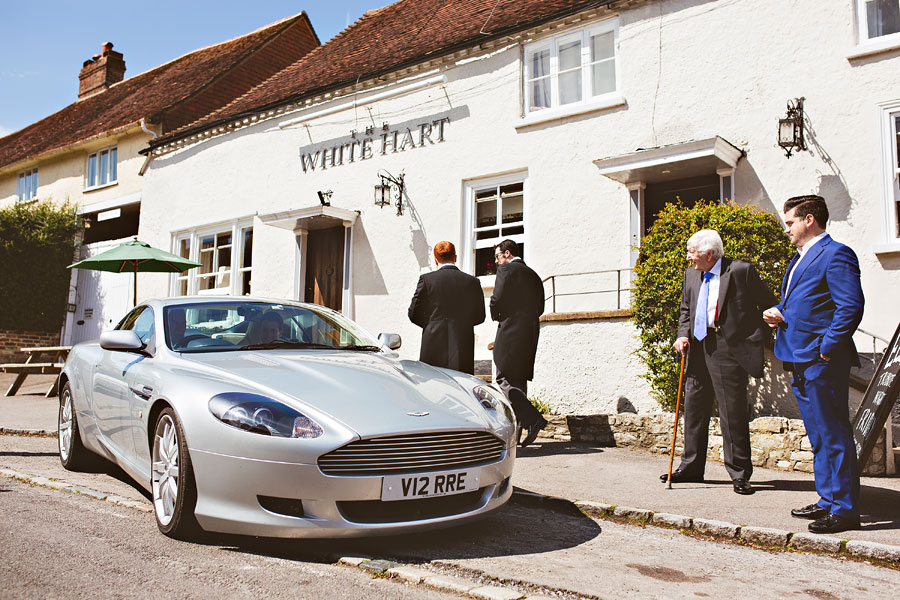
{"points": [[32, 367]]}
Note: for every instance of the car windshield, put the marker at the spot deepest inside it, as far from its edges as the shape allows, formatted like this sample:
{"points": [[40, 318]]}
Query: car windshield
{"points": [[235, 326]]}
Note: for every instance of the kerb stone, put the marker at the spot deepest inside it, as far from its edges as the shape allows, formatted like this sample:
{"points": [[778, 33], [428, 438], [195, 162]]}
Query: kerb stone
{"points": [[716, 528], [817, 543], [678, 521], [491, 592], [411, 574], [765, 536], [873, 550], [637, 514], [451, 584]]}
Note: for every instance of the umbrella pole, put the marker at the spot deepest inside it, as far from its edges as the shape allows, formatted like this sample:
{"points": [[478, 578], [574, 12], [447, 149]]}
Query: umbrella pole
{"points": [[135, 283]]}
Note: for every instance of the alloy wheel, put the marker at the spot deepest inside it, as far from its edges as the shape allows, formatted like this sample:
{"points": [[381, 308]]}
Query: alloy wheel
{"points": [[165, 476]]}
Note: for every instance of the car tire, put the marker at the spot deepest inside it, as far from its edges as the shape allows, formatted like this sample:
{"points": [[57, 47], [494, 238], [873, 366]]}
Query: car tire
{"points": [[173, 489], [72, 453]]}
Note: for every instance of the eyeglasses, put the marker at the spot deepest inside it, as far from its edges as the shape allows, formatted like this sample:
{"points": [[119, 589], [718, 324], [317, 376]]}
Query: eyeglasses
{"points": [[497, 256]]}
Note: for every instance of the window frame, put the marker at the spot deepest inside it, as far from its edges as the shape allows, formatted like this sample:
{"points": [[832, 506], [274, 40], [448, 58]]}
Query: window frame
{"points": [[468, 223], [237, 271], [889, 124], [862, 20], [112, 153], [587, 101], [865, 45], [27, 182]]}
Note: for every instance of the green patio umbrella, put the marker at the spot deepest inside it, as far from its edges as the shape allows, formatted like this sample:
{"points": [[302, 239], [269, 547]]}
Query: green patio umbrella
{"points": [[135, 256]]}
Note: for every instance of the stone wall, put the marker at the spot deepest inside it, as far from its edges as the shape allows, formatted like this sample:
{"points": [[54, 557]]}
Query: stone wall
{"points": [[775, 442], [11, 341]]}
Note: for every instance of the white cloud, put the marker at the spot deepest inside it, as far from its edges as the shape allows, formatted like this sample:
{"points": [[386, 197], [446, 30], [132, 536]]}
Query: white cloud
{"points": [[4, 131]]}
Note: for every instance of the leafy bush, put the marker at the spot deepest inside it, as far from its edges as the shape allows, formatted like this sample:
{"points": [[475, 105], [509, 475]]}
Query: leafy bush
{"points": [[748, 233], [37, 242]]}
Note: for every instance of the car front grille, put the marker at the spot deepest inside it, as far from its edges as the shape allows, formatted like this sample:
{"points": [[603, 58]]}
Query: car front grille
{"points": [[414, 453]]}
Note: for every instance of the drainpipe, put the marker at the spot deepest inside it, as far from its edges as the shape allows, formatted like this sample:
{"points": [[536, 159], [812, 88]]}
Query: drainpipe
{"points": [[149, 155]]}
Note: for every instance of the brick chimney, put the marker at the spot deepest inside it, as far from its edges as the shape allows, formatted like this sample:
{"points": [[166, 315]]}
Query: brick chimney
{"points": [[101, 71]]}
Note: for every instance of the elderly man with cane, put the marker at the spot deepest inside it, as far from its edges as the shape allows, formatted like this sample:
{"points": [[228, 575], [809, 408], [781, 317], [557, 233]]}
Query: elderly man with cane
{"points": [[722, 333]]}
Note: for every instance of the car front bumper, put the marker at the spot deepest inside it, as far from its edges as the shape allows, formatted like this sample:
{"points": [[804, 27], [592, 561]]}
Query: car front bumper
{"points": [[281, 499]]}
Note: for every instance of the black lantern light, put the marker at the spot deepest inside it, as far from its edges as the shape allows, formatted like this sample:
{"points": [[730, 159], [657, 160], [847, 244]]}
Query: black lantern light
{"points": [[389, 184], [790, 128]]}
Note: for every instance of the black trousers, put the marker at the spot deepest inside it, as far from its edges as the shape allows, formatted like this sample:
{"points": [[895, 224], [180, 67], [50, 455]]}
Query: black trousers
{"points": [[516, 391], [714, 374]]}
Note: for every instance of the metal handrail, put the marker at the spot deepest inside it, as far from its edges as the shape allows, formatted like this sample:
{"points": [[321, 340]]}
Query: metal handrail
{"points": [[875, 338], [618, 291]]}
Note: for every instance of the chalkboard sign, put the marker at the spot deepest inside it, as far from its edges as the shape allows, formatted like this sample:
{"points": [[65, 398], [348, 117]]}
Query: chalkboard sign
{"points": [[878, 401]]}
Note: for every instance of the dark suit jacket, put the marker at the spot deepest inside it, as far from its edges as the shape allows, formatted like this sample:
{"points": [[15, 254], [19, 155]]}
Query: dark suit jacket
{"points": [[447, 304], [742, 298], [517, 303], [822, 307]]}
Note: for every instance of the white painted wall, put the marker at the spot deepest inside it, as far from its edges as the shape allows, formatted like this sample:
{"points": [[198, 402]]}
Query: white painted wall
{"points": [[690, 70]]}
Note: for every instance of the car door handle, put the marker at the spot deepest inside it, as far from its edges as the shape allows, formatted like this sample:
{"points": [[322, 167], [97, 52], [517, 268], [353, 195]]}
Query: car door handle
{"points": [[144, 392]]}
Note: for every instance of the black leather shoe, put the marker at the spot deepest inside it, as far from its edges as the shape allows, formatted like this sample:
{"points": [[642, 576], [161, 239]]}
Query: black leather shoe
{"points": [[832, 523], [813, 511], [533, 431], [742, 486], [679, 476]]}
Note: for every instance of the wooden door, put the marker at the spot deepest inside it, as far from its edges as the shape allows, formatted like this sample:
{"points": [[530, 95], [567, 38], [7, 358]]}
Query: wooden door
{"points": [[325, 267]]}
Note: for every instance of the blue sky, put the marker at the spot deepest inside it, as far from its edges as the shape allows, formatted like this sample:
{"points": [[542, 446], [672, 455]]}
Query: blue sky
{"points": [[45, 42]]}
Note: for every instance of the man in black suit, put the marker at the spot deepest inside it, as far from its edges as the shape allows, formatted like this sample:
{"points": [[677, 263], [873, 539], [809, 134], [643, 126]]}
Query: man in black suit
{"points": [[517, 304], [721, 323], [447, 304]]}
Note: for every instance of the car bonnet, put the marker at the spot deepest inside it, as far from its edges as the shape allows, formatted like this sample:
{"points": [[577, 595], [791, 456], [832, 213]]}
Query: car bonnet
{"points": [[370, 393]]}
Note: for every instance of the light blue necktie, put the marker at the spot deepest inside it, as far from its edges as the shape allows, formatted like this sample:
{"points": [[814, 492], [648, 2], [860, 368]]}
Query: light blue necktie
{"points": [[700, 317]]}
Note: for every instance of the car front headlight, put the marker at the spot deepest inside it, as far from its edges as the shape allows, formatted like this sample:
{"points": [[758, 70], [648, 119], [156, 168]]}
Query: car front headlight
{"points": [[494, 402], [259, 414]]}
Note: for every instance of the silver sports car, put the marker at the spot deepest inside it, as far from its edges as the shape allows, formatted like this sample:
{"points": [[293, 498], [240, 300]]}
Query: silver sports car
{"points": [[282, 419]]}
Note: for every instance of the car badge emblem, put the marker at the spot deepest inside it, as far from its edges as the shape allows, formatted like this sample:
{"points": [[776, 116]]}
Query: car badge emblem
{"points": [[418, 414]]}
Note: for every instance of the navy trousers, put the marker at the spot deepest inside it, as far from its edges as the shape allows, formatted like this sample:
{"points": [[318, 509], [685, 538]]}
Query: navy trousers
{"points": [[822, 391]]}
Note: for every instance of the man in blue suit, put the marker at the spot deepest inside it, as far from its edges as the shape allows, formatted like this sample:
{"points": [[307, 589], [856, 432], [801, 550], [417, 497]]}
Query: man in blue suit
{"points": [[821, 306]]}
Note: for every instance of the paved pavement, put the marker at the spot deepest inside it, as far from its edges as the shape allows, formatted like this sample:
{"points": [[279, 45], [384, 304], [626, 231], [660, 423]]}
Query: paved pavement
{"points": [[613, 476]]}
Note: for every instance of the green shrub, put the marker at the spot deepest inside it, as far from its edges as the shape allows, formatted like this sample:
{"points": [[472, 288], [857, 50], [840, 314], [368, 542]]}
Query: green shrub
{"points": [[748, 233], [37, 242]]}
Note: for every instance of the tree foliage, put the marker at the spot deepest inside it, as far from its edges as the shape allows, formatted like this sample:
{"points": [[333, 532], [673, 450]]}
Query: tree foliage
{"points": [[748, 233], [37, 242]]}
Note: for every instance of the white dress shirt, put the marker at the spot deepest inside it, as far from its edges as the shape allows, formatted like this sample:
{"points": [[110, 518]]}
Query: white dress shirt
{"points": [[713, 302], [802, 252]]}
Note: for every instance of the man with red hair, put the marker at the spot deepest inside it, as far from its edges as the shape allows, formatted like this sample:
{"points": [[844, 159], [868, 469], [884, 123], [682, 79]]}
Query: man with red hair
{"points": [[447, 305]]}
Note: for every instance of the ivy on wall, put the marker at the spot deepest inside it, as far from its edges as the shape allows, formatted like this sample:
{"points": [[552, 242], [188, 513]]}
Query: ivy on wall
{"points": [[37, 242], [748, 233]]}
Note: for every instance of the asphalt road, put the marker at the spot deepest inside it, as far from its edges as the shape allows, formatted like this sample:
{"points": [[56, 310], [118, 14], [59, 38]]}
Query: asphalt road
{"points": [[60, 544]]}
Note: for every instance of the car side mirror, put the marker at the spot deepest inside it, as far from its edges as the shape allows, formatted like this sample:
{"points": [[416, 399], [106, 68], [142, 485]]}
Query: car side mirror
{"points": [[391, 340], [121, 339]]}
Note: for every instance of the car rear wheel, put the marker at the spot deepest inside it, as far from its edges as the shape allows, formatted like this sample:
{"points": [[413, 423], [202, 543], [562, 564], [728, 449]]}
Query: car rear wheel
{"points": [[72, 453], [173, 487]]}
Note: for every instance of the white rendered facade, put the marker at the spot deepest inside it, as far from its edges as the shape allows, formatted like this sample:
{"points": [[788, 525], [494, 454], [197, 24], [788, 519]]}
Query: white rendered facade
{"points": [[700, 84]]}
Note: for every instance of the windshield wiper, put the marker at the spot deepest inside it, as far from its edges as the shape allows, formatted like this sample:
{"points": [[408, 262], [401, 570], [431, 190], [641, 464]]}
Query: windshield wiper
{"points": [[281, 344], [360, 347]]}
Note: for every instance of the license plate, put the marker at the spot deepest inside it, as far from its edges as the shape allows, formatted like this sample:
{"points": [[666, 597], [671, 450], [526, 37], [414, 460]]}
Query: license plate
{"points": [[429, 485]]}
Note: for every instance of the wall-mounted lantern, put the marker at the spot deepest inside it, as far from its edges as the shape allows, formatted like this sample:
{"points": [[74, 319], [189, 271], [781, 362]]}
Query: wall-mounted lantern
{"points": [[386, 186], [790, 128]]}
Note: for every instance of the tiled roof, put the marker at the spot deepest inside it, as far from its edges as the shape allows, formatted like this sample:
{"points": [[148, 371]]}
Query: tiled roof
{"points": [[389, 38], [171, 95]]}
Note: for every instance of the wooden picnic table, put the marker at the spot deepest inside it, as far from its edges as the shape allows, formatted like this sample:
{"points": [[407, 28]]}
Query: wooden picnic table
{"points": [[33, 365]]}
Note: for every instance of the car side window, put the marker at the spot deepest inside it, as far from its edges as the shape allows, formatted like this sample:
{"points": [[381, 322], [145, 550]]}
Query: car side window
{"points": [[128, 320], [141, 324]]}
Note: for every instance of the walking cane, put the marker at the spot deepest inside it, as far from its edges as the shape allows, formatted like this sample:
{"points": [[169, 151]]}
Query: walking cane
{"points": [[675, 429]]}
